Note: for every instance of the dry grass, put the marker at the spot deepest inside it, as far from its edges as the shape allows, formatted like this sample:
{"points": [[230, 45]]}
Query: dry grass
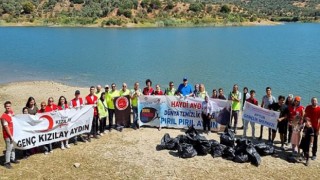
{"points": [[132, 155]]}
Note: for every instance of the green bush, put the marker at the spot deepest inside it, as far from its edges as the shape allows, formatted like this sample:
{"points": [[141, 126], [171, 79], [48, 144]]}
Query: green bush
{"points": [[28, 7], [225, 9], [196, 7]]}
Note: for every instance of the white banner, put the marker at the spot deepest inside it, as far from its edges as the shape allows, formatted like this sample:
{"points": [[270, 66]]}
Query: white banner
{"points": [[180, 112], [260, 115], [35, 130]]}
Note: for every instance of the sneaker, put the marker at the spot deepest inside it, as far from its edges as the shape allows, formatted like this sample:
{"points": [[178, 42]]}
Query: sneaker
{"points": [[120, 129], [313, 158], [101, 134], [307, 163], [75, 143], [67, 146], [46, 153], [7, 165], [51, 151], [89, 139], [15, 161], [96, 137], [62, 147]]}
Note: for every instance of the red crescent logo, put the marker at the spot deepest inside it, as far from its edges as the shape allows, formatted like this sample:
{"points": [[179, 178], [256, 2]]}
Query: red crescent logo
{"points": [[122, 103], [50, 120]]}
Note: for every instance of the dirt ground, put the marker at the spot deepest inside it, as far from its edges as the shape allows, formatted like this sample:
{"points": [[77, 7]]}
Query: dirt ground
{"points": [[132, 154]]}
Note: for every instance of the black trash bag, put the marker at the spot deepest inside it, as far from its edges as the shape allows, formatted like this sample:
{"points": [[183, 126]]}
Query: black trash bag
{"points": [[228, 153], [263, 149], [213, 142], [227, 139], [242, 145], [192, 131], [241, 158], [183, 139], [168, 143], [195, 139], [186, 151], [292, 159], [217, 151], [203, 147], [254, 156]]}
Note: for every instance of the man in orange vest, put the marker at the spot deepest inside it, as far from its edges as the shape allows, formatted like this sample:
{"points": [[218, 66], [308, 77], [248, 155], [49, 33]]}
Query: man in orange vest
{"points": [[7, 129], [77, 102], [91, 99]]}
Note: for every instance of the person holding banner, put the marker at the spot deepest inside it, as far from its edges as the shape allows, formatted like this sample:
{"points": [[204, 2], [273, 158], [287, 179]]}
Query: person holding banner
{"points": [[202, 91], [289, 103], [282, 120], [124, 91], [110, 97], [7, 130], [313, 113], [254, 101], [221, 94], [207, 110], [214, 94], [32, 106], [43, 106], [98, 91], [170, 91], [296, 112], [266, 101], [235, 97], [51, 106], [148, 90], [103, 112], [134, 95], [158, 90], [62, 105], [184, 88], [91, 99], [77, 102]]}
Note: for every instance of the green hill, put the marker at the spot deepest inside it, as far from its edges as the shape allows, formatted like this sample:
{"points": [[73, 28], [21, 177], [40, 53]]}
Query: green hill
{"points": [[139, 13]]}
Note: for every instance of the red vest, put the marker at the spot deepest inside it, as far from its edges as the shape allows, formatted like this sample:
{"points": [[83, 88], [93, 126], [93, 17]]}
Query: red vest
{"points": [[74, 102], [8, 119], [89, 101], [49, 109]]}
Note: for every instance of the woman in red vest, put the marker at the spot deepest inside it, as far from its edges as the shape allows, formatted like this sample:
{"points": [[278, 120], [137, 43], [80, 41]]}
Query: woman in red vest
{"points": [[91, 99], [50, 107], [76, 103], [7, 129], [62, 105]]}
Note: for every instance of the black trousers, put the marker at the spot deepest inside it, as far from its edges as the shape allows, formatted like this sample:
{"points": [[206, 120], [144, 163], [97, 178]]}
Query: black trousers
{"points": [[95, 126], [269, 133], [102, 124], [206, 121], [289, 134], [315, 145], [111, 113]]}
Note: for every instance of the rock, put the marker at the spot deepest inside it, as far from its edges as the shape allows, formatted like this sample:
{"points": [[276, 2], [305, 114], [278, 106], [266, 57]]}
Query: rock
{"points": [[76, 165]]}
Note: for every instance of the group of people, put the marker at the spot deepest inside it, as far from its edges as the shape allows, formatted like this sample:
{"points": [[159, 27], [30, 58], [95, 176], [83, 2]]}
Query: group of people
{"points": [[294, 118]]}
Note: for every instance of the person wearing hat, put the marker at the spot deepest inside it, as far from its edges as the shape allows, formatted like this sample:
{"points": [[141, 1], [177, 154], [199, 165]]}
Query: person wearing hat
{"points": [[296, 112], [106, 89], [184, 88], [77, 102]]}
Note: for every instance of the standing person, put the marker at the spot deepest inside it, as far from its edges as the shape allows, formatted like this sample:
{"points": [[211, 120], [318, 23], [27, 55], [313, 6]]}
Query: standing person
{"points": [[289, 103], [266, 101], [51, 106], [7, 130], [134, 95], [170, 91], [62, 105], [148, 90], [307, 140], [282, 120], [43, 106], [91, 99], [221, 94], [124, 91], [106, 89], [98, 91], [207, 110], [246, 96], [158, 90], [295, 138], [313, 113], [202, 91], [103, 113], [214, 94], [235, 97], [296, 112], [184, 88], [32, 106], [110, 97], [77, 102], [196, 90], [254, 101]]}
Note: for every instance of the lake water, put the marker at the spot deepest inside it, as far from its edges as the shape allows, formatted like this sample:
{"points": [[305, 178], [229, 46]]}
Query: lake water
{"points": [[284, 57]]}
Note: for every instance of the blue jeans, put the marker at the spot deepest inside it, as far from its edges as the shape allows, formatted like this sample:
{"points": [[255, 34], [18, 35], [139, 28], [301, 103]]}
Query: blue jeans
{"points": [[135, 116]]}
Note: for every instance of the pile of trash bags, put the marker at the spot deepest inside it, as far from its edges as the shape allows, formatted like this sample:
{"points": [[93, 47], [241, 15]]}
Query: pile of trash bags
{"points": [[238, 150]]}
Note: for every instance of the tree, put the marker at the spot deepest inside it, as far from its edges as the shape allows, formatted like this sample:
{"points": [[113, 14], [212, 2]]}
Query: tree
{"points": [[225, 9], [27, 7], [196, 7]]}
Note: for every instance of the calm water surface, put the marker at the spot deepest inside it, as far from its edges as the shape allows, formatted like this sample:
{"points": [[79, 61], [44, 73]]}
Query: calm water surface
{"points": [[285, 57]]}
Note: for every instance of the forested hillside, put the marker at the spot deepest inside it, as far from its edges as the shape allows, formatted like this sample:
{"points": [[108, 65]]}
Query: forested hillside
{"points": [[156, 12]]}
